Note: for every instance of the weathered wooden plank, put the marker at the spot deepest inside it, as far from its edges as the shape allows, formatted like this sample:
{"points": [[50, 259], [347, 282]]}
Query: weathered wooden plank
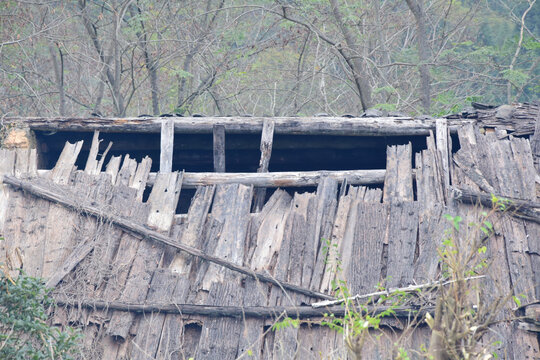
{"points": [[326, 211], [192, 236], [167, 146], [179, 335], [127, 171], [65, 165], [148, 336], [385, 126], [23, 214], [398, 178], [218, 132], [442, 135], [139, 230], [219, 339], [431, 227], [402, 233], [267, 139], [340, 244], [113, 167], [364, 271], [92, 162], [163, 201], [268, 230], [273, 179], [231, 207]]}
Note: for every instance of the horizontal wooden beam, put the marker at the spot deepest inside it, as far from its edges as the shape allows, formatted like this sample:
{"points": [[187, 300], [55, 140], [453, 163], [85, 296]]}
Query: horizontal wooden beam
{"points": [[241, 311], [48, 191], [275, 179], [384, 126]]}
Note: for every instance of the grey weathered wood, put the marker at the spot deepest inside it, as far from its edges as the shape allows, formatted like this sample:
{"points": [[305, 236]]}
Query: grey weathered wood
{"points": [[167, 146], [192, 236], [402, 233], [92, 162], [63, 168], [113, 167], [150, 327], [231, 208], [364, 271], [398, 178], [47, 193], [233, 310], [218, 132], [220, 337], [442, 134], [326, 211], [163, 200], [139, 180], [535, 143], [389, 126], [267, 138], [273, 179]]}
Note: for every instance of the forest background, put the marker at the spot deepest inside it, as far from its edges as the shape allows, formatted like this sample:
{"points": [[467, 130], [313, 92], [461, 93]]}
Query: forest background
{"points": [[264, 57]]}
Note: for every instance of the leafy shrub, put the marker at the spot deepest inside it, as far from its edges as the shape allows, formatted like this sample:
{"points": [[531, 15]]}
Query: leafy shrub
{"points": [[24, 332]]}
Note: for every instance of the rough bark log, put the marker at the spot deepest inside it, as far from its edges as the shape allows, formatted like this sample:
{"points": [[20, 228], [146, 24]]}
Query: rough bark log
{"points": [[236, 311], [385, 126]]}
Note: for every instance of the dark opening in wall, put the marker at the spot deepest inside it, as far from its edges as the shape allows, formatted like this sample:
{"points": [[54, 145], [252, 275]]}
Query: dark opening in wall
{"points": [[194, 153]]}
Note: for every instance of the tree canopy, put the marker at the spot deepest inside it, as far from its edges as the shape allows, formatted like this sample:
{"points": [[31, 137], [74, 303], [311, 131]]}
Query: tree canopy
{"points": [[265, 57]]}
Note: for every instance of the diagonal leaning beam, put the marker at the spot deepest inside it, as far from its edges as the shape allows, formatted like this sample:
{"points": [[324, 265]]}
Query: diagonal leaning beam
{"points": [[48, 193]]}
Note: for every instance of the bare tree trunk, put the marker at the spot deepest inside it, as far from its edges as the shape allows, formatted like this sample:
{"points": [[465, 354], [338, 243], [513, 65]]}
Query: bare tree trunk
{"points": [[417, 8], [59, 76], [151, 63], [352, 57]]}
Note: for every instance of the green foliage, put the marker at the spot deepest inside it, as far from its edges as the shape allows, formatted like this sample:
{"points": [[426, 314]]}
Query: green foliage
{"points": [[24, 332]]}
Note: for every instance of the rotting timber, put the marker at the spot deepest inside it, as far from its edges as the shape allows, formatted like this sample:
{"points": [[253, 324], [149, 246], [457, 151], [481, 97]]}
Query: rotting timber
{"points": [[137, 298]]}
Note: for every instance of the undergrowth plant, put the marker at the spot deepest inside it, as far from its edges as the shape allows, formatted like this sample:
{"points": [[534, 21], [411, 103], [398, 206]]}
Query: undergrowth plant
{"points": [[24, 331], [464, 309]]}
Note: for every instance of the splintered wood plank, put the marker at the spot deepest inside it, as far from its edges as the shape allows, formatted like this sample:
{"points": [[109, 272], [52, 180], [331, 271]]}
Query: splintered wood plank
{"points": [[26, 163], [295, 263], [139, 179], [398, 179], [442, 134], [113, 167], [192, 235], [364, 271], [402, 233], [268, 230], [267, 138], [326, 211], [268, 226], [91, 167], [219, 337], [150, 327], [219, 148], [167, 146], [231, 207], [66, 163], [127, 171], [431, 227], [178, 334], [338, 247], [163, 201]]}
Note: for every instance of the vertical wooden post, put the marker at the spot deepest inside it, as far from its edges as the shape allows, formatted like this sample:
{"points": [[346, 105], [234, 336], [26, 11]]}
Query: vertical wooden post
{"points": [[441, 135], [167, 145], [219, 148], [267, 139]]}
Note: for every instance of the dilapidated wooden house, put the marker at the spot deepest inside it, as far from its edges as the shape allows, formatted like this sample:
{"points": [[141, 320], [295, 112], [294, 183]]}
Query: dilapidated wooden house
{"points": [[178, 238]]}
